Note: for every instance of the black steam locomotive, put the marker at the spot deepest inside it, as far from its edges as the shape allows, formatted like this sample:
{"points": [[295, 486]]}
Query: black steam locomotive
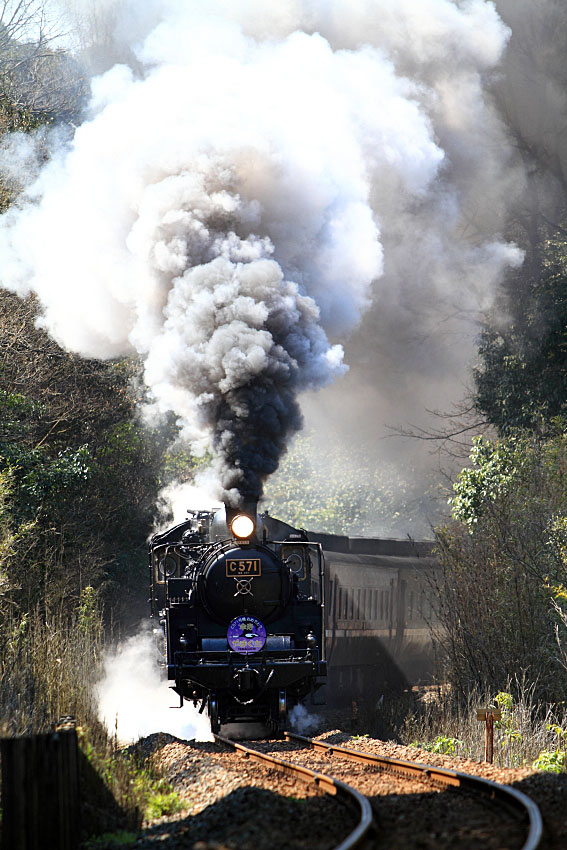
{"points": [[242, 614]]}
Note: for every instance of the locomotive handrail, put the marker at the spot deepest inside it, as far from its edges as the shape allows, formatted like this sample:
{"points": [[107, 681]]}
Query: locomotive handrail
{"points": [[323, 595], [508, 795], [261, 657], [348, 795]]}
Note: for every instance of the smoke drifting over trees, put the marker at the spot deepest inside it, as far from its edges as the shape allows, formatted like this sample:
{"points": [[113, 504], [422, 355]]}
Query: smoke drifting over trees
{"points": [[253, 186]]}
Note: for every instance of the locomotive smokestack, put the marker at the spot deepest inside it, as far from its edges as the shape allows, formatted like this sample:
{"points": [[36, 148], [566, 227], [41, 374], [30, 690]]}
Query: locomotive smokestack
{"points": [[248, 507]]}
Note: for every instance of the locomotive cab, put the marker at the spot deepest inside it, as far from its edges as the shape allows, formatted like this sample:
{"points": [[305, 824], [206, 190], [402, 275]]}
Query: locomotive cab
{"points": [[242, 614]]}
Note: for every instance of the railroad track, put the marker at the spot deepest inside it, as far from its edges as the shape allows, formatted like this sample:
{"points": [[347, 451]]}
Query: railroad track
{"points": [[364, 833]]}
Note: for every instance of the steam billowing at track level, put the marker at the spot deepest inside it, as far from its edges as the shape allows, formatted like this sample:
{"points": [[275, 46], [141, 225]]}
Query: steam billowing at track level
{"points": [[254, 182]]}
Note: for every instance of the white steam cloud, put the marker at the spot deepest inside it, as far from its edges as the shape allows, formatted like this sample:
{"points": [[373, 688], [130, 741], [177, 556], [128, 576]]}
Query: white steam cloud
{"points": [[177, 498], [134, 699], [302, 720], [255, 179]]}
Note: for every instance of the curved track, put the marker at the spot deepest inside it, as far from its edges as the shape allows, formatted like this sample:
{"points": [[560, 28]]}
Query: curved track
{"points": [[503, 795], [347, 795]]}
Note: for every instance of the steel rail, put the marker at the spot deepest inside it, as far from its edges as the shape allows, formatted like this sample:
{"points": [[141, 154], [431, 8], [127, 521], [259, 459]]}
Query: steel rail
{"points": [[335, 787], [503, 793]]}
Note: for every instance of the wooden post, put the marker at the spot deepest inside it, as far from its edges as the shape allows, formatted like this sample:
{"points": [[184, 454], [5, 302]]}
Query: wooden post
{"points": [[489, 715], [40, 792], [489, 738], [354, 715]]}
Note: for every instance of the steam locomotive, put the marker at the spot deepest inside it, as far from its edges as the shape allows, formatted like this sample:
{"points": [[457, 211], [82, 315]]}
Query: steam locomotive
{"points": [[241, 614]]}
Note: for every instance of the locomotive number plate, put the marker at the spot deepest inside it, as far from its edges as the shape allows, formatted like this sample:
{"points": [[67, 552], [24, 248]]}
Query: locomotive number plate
{"points": [[244, 567]]}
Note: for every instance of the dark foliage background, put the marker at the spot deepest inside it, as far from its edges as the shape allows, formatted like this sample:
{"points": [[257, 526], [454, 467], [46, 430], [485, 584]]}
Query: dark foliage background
{"points": [[80, 471]]}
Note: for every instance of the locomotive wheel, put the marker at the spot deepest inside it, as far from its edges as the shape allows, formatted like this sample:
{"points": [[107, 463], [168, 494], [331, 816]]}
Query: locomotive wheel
{"points": [[214, 713]]}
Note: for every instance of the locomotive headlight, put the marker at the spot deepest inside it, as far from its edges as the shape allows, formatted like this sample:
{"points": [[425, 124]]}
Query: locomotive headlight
{"points": [[242, 526]]}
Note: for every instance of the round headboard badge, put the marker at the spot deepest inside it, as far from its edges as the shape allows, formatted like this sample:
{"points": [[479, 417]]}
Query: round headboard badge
{"points": [[246, 635]]}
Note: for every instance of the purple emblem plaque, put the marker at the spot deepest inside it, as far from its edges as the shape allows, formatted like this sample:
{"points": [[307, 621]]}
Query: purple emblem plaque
{"points": [[246, 635]]}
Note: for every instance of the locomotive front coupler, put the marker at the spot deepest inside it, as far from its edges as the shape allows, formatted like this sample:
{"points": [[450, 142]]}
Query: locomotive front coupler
{"points": [[246, 678]]}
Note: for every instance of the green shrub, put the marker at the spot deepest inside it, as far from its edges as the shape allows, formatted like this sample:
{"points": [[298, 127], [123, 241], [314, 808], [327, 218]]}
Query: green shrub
{"points": [[501, 589], [442, 744], [554, 761], [110, 840], [551, 761]]}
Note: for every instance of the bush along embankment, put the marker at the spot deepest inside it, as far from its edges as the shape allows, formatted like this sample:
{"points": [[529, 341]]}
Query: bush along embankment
{"points": [[502, 596], [78, 480], [528, 733], [50, 662]]}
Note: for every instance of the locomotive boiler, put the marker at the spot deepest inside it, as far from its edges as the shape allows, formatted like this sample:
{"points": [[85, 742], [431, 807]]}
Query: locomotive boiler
{"points": [[241, 615]]}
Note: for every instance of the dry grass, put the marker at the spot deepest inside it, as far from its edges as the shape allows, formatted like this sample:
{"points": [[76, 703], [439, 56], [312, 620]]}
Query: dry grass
{"points": [[47, 668], [433, 718]]}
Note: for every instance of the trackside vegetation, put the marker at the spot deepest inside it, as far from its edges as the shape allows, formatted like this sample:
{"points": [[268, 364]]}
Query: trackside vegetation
{"points": [[529, 733], [503, 589], [78, 478]]}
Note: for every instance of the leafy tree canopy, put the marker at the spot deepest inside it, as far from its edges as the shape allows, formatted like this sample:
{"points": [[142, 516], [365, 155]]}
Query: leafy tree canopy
{"points": [[522, 382], [503, 595], [493, 465], [339, 488], [76, 462]]}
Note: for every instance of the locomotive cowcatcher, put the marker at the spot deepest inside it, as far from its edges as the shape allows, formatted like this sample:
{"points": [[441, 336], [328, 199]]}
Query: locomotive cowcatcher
{"points": [[242, 614]]}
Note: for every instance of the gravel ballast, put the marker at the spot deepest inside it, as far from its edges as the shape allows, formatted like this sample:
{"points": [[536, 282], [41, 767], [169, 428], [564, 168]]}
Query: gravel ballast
{"points": [[234, 804], [231, 803]]}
